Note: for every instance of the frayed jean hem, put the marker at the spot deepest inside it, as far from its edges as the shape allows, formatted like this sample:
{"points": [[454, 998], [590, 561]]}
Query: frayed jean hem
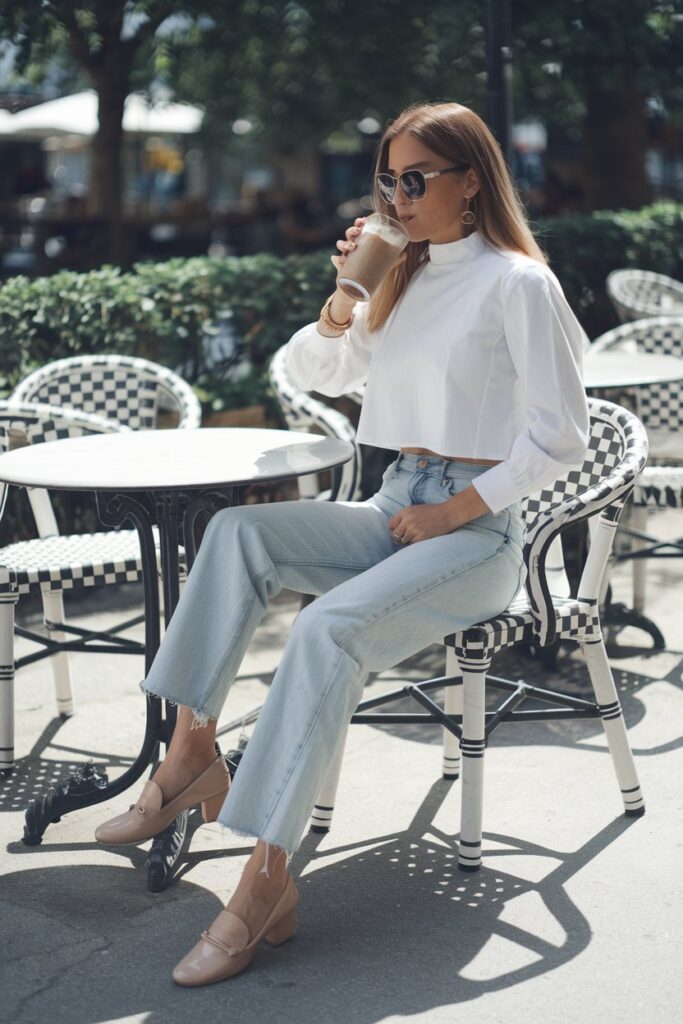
{"points": [[201, 718], [253, 833]]}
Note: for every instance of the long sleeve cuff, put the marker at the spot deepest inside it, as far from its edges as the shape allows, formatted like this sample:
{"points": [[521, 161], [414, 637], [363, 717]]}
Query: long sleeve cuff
{"points": [[320, 345], [498, 488]]}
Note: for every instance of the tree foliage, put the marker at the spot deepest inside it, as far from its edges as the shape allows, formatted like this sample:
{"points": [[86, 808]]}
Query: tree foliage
{"points": [[565, 48], [302, 69]]}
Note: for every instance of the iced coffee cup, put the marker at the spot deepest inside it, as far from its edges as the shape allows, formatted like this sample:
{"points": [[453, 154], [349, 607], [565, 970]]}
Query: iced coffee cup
{"points": [[378, 246]]}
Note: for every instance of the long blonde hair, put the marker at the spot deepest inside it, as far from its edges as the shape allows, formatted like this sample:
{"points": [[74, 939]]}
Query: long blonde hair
{"points": [[458, 135]]}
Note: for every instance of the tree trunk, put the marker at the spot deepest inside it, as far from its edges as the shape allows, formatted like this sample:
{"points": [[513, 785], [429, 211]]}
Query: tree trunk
{"points": [[613, 147], [106, 180]]}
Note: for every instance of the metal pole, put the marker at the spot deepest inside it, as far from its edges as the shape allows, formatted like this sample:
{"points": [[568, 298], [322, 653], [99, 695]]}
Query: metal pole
{"points": [[499, 73]]}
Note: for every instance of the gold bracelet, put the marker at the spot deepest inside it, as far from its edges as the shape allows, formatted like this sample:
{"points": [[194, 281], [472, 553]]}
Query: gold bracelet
{"points": [[332, 325]]}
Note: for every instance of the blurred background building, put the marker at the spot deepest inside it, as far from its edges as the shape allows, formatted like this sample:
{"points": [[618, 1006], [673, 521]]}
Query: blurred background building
{"points": [[253, 132]]}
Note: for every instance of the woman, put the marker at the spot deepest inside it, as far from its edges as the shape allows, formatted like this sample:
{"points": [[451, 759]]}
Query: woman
{"points": [[472, 362]]}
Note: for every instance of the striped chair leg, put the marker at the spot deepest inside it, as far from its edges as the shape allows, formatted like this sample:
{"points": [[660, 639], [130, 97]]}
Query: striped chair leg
{"points": [[7, 603], [53, 617], [321, 818], [639, 521], [614, 726], [473, 745], [452, 706]]}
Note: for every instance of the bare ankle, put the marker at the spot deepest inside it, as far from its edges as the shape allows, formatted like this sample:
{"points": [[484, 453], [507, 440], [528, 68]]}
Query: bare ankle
{"points": [[267, 864]]}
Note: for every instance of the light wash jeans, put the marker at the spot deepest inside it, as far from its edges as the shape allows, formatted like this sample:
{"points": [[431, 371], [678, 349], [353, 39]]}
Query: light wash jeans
{"points": [[383, 602]]}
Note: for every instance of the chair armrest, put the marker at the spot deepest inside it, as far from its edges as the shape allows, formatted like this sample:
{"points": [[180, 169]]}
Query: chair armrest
{"points": [[606, 499]]}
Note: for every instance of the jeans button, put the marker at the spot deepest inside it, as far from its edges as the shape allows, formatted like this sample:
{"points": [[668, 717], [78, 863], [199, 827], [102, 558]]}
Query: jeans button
{"points": [[422, 463]]}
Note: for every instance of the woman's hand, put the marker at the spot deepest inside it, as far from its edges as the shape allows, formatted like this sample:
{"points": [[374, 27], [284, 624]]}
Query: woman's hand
{"points": [[420, 522], [348, 244]]}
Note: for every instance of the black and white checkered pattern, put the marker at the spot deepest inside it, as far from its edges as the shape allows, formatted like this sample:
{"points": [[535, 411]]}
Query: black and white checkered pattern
{"points": [[302, 412], [574, 620], [122, 388], [641, 293], [604, 453], [72, 562], [660, 406], [616, 455]]}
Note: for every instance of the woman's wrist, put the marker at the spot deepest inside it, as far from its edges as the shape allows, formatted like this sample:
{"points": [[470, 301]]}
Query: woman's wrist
{"points": [[466, 506], [335, 319], [341, 306]]}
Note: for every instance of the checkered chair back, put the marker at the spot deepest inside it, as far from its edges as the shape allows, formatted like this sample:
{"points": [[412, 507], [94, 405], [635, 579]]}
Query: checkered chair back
{"points": [[640, 293], [615, 458], [127, 389], [660, 406], [32, 423], [302, 412]]}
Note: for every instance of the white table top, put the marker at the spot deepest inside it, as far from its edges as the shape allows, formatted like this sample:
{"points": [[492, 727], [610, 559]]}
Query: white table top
{"points": [[619, 368], [172, 459]]}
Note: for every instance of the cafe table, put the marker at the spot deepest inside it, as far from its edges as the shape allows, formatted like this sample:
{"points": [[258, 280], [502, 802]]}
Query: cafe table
{"points": [[622, 368], [619, 368], [164, 479]]}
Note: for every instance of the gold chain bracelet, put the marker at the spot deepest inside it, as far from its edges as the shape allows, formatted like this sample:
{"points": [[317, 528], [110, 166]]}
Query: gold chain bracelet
{"points": [[332, 325]]}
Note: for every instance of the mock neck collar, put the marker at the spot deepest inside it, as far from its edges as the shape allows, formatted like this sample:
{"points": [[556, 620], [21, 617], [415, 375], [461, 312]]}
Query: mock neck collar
{"points": [[456, 252]]}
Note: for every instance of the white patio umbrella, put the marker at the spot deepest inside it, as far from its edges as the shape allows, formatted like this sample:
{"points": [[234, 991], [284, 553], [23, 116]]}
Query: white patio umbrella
{"points": [[77, 115]]}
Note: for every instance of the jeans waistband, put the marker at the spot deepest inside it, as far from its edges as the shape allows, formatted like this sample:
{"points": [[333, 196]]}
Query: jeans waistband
{"points": [[435, 466]]}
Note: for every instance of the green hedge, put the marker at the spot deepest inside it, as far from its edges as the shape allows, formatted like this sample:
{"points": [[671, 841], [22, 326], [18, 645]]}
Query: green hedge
{"points": [[160, 310], [584, 248]]}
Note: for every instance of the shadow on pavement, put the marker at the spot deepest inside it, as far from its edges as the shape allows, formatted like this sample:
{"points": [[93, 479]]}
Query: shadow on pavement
{"points": [[390, 927]]}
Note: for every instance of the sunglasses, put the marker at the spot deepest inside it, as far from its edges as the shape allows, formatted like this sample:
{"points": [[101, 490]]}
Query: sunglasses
{"points": [[413, 183]]}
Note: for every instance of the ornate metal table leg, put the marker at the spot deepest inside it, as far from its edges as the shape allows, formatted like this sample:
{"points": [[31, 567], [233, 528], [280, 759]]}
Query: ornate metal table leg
{"points": [[91, 784]]}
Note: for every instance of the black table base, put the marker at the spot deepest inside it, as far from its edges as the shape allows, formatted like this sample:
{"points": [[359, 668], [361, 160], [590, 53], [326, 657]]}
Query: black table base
{"points": [[175, 513]]}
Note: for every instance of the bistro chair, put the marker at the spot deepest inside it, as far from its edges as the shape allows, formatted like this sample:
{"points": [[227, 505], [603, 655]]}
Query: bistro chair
{"points": [[616, 455], [660, 407], [303, 412], [134, 392], [53, 563], [640, 293]]}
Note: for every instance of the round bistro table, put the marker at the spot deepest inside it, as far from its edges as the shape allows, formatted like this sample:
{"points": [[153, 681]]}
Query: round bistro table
{"points": [[162, 478]]}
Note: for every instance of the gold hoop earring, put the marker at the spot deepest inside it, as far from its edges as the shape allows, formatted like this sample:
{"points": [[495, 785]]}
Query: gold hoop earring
{"points": [[468, 217]]}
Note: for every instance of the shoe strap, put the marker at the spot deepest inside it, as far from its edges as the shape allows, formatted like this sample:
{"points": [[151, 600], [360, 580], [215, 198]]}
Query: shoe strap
{"points": [[151, 798], [228, 932]]}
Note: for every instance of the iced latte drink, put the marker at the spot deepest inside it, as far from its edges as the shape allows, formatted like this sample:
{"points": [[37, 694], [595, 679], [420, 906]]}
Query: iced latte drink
{"points": [[378, 246]]}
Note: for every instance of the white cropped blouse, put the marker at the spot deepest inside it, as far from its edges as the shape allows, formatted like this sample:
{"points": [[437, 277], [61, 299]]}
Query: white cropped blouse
{"points": [[480, 359]]}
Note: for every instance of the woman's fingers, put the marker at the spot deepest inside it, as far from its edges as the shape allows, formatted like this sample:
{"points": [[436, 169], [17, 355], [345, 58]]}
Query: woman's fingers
{"points": [[345, 247], [352, 233]]}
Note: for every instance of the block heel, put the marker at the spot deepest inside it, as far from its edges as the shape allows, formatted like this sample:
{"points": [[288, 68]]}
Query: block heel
{"points": [[283, 930], [211, 808]]}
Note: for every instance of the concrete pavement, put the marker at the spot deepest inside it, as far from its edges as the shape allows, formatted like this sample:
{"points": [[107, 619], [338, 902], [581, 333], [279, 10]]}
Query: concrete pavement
{"points": [[575, 915]]}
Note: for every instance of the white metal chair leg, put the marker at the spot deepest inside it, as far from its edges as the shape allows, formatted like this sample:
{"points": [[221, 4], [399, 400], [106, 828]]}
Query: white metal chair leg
{"points": [[473, 745], [452, 706], [321, 818], [53, 616], [7, 603], [639, 521], [614, 726]]}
